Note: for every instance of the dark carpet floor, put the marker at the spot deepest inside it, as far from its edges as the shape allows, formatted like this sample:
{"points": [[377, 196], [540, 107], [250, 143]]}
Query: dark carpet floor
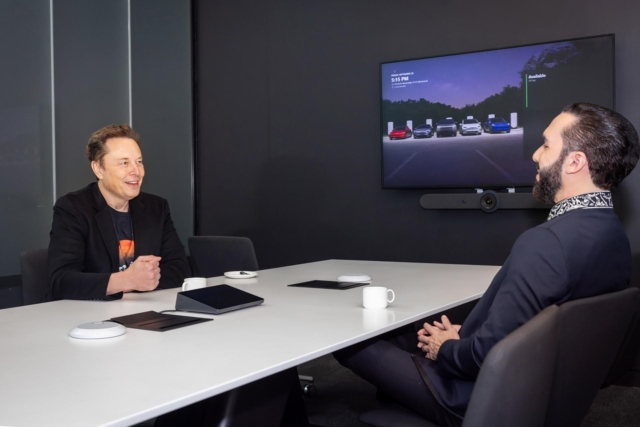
{"points": [[341, 397]]}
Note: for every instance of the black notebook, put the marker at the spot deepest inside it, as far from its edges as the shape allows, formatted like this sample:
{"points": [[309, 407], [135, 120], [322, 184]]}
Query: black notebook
{"points": [[326, 284], [152, 321]]}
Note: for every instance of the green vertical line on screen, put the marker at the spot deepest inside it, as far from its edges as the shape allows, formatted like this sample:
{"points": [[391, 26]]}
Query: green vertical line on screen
{"points": [[526, 90]]}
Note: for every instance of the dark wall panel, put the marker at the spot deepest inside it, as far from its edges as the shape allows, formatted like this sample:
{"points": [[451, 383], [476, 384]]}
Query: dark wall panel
{"points": [[297, 168], [233, 116], [26, 190], [162, 104], [91, 80]]}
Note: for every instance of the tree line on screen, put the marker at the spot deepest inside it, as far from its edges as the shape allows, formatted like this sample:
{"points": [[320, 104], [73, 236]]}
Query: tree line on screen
{"points": [[510, 100], [502, 104]]}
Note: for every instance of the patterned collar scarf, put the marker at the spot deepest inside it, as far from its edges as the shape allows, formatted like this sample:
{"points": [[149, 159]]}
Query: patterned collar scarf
{"points": [[597, 200]]}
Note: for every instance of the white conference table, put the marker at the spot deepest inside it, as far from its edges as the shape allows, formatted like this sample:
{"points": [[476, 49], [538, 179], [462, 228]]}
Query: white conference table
{"points": [[48, 378]]}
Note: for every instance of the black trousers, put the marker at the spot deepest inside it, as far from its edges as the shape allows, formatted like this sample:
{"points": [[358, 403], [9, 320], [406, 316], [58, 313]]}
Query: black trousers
{"points": [[386, 362]]}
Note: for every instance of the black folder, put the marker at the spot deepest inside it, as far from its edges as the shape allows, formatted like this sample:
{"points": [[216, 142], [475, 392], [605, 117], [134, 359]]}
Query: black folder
{"points": [[326, 284], [152, 321]]}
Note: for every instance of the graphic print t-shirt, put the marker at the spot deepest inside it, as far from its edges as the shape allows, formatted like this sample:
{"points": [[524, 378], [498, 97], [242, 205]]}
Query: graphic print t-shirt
{"points": [[124, 234]]}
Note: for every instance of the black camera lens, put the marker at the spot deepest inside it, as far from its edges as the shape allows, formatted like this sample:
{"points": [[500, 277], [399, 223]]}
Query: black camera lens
{"points": [[489, 201]]}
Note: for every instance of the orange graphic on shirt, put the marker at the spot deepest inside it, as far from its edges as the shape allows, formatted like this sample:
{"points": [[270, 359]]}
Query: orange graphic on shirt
{"points": [[126, 252]]}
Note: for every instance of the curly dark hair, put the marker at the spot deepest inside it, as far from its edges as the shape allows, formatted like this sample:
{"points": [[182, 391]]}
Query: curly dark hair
{"points": [[608, 140], [96, 146]]}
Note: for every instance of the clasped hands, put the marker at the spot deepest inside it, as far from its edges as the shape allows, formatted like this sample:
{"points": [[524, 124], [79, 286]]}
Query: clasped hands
{"points": [[431, 337], [142, 275]]}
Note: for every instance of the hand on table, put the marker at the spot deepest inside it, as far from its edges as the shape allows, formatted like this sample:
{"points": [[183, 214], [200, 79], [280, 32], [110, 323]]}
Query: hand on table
{"points": [[430, 338], [144, 273]]}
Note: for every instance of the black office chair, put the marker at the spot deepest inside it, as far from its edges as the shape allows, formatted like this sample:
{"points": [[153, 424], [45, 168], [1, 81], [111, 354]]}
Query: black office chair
{"points": [[513, 386], [625, 370], [35, 275], [591, 331], [626, 367], [214, 255], [195, 272]]}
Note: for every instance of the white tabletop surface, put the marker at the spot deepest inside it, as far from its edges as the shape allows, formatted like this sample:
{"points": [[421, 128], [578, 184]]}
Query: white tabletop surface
{"points": [[48, 378]]}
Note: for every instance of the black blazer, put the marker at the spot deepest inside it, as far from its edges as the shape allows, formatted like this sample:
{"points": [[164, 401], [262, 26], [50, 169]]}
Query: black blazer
{"points": [[581, 253], [83, 248]]}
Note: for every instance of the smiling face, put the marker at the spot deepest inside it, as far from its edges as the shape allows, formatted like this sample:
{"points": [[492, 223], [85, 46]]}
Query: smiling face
{"points": [[550, 159], [120, 172]]}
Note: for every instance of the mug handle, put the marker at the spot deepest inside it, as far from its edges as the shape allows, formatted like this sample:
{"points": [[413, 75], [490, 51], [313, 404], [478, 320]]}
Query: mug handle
{"points": [[393, 295]]}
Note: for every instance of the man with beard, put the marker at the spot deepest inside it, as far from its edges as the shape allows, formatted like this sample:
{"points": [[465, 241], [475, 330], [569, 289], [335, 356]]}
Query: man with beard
{"points": [[580, 251]]}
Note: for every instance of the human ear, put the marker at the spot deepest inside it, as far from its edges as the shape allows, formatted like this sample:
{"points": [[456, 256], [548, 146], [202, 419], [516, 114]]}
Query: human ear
{"points": [[97, 169], [576, 161]]}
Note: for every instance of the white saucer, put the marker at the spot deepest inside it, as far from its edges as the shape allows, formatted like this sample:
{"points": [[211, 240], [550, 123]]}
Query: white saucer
{"points": [[354, 278], [97, 330], [240, 274]]}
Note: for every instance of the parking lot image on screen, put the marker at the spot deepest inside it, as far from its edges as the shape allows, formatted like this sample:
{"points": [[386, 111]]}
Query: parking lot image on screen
{"points": [[474, 120]]}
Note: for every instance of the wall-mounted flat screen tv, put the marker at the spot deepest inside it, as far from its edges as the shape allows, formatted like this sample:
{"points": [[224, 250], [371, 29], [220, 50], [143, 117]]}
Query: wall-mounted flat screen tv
{"points": [[474, 120]]}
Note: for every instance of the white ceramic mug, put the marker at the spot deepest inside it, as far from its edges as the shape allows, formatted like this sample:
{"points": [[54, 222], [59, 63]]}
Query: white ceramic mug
{"points": [[192, 283], [376, 297]]}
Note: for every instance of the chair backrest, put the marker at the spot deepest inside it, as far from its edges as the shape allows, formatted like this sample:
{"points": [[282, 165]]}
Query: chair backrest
{"points": [[626, 366], [216, 254], [514, 383], [627, 359], [35, 275], [195, 272], [591, 331]]}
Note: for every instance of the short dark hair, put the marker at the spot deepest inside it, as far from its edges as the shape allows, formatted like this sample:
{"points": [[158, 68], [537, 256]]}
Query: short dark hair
{"points": [[608, 140], [96, 146]]}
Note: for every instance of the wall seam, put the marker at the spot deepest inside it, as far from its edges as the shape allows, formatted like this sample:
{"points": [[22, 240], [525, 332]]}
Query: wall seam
{"points": [[268, 15], [130, 77], [53, 107]]}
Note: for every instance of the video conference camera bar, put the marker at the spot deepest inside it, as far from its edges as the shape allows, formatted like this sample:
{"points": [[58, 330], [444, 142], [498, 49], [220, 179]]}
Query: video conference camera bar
{"points": [[488, 201]]}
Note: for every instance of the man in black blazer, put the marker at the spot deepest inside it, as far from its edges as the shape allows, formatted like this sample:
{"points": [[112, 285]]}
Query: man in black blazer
{"points": [[580, 251], [109, 238]]}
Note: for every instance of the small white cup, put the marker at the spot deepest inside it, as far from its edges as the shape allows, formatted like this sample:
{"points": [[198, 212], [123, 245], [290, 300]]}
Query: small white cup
{"points": [[192, 283], [377, 297]]}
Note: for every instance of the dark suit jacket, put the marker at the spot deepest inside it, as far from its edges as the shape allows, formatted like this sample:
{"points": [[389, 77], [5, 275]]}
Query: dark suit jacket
{"points": [[83, 248], [581, 253]]}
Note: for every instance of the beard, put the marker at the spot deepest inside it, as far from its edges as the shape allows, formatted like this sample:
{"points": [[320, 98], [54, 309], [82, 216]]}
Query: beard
{"points": [[550, 182]]}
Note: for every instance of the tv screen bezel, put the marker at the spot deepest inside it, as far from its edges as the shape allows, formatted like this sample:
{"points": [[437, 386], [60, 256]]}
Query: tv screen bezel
{"points": [[472, 188]]}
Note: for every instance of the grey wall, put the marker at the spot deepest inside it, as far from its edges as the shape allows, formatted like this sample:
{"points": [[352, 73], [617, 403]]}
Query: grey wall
{"points": [[109, 61], [162, 104], [288, 121], [26, 190], [135, 70], [91, 80]]}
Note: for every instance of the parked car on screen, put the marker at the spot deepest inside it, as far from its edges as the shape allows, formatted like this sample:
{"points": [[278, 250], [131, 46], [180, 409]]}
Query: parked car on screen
{"points": [[423, 131], [470, 126], [497, 124], [446, 127], [400, 132]]}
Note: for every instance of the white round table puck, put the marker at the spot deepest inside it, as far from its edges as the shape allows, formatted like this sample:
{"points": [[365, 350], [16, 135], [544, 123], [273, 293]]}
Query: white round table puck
{"points": [[354, 278], [240, 274], [97, 330]]}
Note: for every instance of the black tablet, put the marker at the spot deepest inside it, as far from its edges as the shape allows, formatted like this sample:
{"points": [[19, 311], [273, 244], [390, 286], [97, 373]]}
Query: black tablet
{"points": [[216, 300]]}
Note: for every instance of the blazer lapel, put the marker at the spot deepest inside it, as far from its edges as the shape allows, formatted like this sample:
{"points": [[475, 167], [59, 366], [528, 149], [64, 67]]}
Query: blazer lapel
{"points": [[107, 231]]}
